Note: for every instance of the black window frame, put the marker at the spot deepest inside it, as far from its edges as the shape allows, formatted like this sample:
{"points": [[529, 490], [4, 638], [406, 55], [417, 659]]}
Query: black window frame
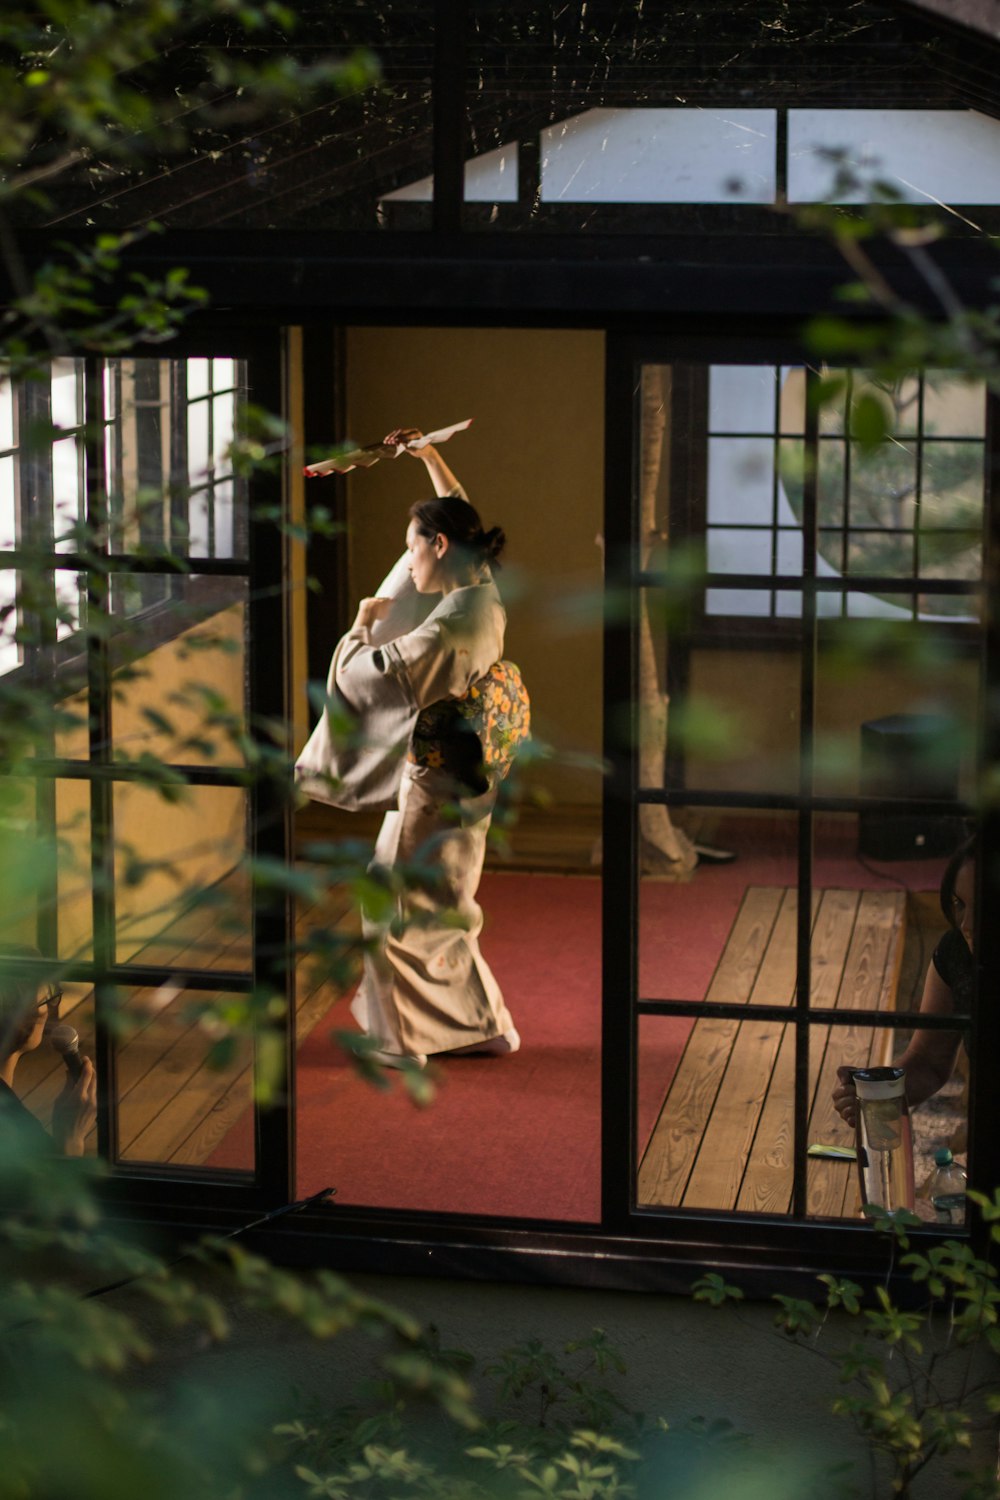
{"points": [[630, 1247], [263, 350]]}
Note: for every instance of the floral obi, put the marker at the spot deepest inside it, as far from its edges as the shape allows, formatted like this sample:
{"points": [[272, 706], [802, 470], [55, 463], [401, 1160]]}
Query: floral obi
{"points": [[475, 738]]}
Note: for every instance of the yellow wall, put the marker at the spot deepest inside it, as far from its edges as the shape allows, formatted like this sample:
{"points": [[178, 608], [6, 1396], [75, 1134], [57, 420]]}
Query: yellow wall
{"points": [[532, 463]]}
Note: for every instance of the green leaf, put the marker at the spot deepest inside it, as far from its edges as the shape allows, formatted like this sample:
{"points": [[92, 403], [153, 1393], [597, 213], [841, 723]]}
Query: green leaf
{"points": [[870, 422]]}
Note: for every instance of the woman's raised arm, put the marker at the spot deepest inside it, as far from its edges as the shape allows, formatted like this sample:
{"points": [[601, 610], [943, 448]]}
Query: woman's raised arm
{"points": [[441, 476]]}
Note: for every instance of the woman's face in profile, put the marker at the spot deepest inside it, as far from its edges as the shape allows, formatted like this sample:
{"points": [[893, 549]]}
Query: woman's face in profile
{"points": [[423, 561], [963, 901]]}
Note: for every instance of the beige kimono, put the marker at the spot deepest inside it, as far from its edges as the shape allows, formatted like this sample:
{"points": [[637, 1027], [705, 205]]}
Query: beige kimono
{"points": [[426, 987]]}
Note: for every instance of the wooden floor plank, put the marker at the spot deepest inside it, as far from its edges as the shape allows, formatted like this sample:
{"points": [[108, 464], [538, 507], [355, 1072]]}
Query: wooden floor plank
{"points": [[871, 973], [767, 1182], [185, 1106], [729, 1133], [674, 1143]]}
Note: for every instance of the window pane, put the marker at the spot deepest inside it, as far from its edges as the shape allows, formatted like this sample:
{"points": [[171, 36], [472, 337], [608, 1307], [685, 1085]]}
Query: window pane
{"points": [[183, 1093], [792, 413], [198, 420], [8, 502], [926, 155], [732, 723], [722, 1137], [169, 850], [46, 881], [741, 398], [41, 1073], [182, 676], [740, 480], [67, 392], [738, 550], [660, 156], [223, 420], [67, 491], [687, 906], [882, 687], [6, 413], [953, 408], [198, 377]]}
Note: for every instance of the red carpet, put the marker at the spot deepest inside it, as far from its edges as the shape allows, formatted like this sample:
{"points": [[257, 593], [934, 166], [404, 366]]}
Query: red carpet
{"points": [[519, 1136]]}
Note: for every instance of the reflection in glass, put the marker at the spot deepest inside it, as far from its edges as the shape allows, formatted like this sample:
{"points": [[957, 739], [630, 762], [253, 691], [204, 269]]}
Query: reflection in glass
{"points": [[181, 676], [169, 852], [169, 435], [45, 875], [919, 684], [41, 1073], [734, 715], [183, 1097]]}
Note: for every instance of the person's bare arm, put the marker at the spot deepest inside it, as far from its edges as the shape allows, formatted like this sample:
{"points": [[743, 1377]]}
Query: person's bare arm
{"points": [[441, 476], [927, 1062]]}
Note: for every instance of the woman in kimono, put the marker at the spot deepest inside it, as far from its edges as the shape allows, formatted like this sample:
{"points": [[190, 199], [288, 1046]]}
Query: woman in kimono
{"points": [[414, 672]]}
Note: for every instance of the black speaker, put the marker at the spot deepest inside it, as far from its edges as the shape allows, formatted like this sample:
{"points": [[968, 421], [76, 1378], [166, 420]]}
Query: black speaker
{"points": [[909, 755]]}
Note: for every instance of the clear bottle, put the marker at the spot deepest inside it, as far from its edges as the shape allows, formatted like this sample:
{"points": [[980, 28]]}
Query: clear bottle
{"points": [[947, 1189]]}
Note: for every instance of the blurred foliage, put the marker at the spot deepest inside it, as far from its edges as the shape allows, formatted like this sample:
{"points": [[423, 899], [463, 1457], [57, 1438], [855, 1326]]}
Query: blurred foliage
{"points": [[549, 1422], [916, 1361]]}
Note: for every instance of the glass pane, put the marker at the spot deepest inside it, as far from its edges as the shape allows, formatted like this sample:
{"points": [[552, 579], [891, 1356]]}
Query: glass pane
{"points": [[722, 1138], [67, 491], [170, 850], [42, 631], [898, 721], [184, 1093], [41, 1072], [732, 723], [67, 392], [8, 501], [45, 887], [689, 903], [7, 438], [887, 554], [951, 491], [170, 429], [741, 398], [927, 156], [73, 903], [198, 377], [953, 408], [11, 649], [740, 481], [181, 673], [792, 413]]}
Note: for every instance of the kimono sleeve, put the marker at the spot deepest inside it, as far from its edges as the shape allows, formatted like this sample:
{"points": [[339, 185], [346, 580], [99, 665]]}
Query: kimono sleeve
{"points": [[434, 662], [354, 757]]}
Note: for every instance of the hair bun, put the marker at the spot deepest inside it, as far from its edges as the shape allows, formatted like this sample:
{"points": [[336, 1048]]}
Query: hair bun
{"points": [[492, 542]]}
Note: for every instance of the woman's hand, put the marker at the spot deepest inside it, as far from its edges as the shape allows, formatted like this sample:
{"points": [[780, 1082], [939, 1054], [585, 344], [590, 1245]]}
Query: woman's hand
{"points": [[75, 1110], [438, 472], [845, 1097], [400, 436], [371, 610]]}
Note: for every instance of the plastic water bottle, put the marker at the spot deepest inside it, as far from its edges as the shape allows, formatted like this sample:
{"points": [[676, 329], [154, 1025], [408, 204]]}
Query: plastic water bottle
{"points": [[947, 1189]]}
